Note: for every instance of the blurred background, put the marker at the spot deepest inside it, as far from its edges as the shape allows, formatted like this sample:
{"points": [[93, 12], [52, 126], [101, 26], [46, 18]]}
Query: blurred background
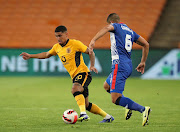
{"points": [[28, 26]]}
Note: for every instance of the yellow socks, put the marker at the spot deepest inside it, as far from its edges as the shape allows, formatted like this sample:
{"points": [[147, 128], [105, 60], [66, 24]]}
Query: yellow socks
{"points": [[81, 102], [96, 110], [93, 108]]}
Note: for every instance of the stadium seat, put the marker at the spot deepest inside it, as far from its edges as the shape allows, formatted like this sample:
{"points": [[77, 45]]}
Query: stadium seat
{"points": [[31, 24]]}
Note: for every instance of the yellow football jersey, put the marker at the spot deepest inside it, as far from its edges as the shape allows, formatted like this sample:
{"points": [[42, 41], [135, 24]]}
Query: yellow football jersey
{"points": [[71, 56]]}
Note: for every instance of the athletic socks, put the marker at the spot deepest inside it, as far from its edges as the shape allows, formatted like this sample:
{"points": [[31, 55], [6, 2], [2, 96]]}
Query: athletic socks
{"points": [[79, 97], [93, 108], [107, 116], [129, 104]]}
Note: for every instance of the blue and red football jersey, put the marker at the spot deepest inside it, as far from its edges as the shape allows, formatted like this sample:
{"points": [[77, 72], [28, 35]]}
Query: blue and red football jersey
{"points": [[122, 39]]}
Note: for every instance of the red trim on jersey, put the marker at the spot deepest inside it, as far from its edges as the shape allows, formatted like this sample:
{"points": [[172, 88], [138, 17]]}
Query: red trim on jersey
{"points": [[121, 23], [75, 119], [114, 77]]}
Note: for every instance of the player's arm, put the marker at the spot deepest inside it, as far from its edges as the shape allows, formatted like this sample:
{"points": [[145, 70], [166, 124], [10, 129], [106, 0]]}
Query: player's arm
{"points": [[92, 60], [101, 33], [42, 55], [145, 50]]}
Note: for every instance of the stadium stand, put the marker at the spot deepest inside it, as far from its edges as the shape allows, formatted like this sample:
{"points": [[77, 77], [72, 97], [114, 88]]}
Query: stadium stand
{"points": [[168, 28], [31, 23]]}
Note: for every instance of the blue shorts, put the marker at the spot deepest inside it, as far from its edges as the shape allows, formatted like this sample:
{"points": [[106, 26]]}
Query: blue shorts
{"points": [[118, 76]]}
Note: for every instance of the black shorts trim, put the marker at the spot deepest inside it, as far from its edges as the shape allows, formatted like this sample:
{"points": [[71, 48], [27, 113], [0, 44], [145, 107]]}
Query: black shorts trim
{"points": [[84, 79]]}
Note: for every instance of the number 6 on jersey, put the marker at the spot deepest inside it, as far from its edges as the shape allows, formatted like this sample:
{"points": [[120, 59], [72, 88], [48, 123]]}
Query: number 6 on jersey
{"points": [[128, 43]]}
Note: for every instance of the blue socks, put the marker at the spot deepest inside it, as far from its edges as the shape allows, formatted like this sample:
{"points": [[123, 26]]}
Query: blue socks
{"points": [[126, 102]]}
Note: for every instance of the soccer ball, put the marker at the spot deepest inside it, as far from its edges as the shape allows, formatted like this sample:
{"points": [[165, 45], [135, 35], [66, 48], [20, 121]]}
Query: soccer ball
{"points": [[70, 116]]}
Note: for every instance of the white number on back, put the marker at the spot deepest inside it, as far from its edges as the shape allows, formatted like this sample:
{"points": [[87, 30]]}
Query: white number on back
{"points": [[128, 43]]}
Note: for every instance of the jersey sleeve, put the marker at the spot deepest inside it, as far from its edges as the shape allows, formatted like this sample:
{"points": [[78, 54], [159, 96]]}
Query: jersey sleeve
{"points": [[81, 47], [52, 51], [115, 26], [136, 36]]}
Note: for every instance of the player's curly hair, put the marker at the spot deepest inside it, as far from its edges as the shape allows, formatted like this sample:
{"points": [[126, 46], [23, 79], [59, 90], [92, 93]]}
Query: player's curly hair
{"points": [[61, 28], [113, 17]]}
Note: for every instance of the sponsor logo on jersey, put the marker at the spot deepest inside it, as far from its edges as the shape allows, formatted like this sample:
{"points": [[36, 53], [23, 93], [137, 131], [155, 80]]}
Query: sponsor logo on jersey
{"points": [[68, 50]]}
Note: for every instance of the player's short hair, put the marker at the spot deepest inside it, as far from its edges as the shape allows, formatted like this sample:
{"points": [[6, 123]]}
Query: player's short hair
{"points": [[61, 28], [113, 17]]}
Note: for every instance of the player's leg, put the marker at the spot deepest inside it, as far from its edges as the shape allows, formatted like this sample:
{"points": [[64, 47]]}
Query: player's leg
{"points": [[126, 102], [119, 76], [107, 87], [91, 107], [128, 112], [118, 99], [107, 84], [77, 91]]}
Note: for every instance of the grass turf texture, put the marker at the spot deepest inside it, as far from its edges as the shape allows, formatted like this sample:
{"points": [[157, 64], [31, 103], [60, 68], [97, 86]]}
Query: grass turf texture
{"points": [[37, 104]]}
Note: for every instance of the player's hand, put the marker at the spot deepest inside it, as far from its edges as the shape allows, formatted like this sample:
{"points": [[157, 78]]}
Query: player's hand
{"points": [[91, 46], [25, 56], [92, 68], [141, 67]]}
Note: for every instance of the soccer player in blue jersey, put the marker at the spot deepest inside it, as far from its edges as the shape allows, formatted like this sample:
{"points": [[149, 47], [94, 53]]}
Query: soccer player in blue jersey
{"points": [[122, 38]]}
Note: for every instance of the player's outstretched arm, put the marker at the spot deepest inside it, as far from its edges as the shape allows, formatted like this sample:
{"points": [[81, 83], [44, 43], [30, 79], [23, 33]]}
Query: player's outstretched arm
{"points": [[145, 50], [42, 55], [101, 33], [92, 60]]}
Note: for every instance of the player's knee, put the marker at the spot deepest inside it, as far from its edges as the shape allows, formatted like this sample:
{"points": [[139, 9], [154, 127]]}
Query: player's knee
{"points": [[76, 87], [116, 100], [73, 90], [106, 87]]}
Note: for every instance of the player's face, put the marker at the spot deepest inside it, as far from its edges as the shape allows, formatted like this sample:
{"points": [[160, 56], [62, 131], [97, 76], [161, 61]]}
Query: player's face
{"points": [[61, 37]]}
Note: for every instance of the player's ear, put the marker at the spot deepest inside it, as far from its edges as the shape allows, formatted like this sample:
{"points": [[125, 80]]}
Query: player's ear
{"points": [[66, 33]]}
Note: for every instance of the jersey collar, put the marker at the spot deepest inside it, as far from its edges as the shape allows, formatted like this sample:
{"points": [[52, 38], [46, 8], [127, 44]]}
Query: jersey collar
{"points": [[65, 43]]}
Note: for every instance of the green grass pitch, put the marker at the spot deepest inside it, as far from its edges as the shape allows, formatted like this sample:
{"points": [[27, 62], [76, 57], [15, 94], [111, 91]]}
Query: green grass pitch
{"points": [[37, 104]]}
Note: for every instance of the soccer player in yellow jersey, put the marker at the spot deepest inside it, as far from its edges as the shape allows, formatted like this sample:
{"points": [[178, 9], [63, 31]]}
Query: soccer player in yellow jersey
{"points": [[70, 52]]}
